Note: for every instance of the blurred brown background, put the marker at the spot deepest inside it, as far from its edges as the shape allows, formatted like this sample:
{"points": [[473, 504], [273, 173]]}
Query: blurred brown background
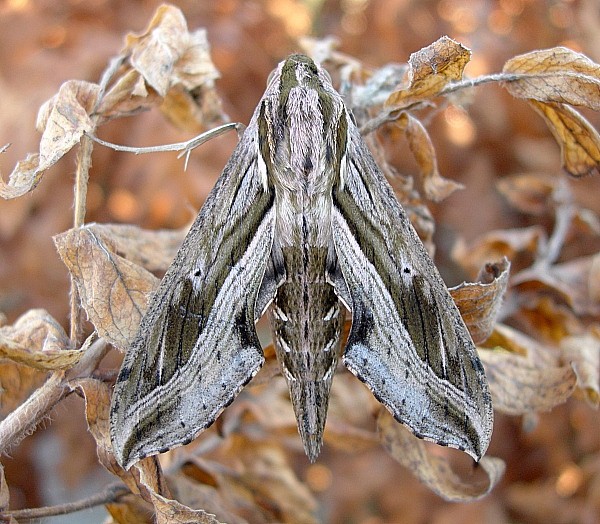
{"points": [[45, 43]]}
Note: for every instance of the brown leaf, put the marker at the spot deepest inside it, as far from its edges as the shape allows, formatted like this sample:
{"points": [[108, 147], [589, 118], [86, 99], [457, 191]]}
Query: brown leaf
{"points": [[25, 176], [570, 283], [579, 141], [167, 54], [4, 498], [127, 96], [583, 352], [479, 302], [434, 471], [64, 118], [213, 493], [555, 75], [495, 245], [113, 291], [436, 187], [39, 341], [430, 70], [530, 193], [272, 480], [154, 250], [523, 376], [170, 511], [4, 494]]}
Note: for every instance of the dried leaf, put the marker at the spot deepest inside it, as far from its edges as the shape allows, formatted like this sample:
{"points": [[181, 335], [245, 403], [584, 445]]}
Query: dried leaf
{"points": [[4, 494], [25, 176], [525, 376], [4, 498], [167, 54], [436, 187], [579, 141], [555, 75], [479, 302], [97, 412], [434, 471], [213, 493], [567, 283], [530, 193], [172, 512], [127, 96], [272, 480], [113, 291], [154, 250], [430, 70], [39, 341], [583, 352], [495, 245], [64, 118]]}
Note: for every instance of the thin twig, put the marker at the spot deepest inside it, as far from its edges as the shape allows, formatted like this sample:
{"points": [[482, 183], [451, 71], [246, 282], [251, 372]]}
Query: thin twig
{"points": [[23, 420], [391, 113], [82, 175], [179, 146], [111, 493]]}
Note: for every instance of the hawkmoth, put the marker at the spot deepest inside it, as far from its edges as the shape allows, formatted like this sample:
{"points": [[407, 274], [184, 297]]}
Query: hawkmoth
{"points": [[301, 223]]}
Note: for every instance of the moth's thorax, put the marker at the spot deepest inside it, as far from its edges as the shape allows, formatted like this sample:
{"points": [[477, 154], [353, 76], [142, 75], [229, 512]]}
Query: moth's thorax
{"points": [[301, 149]]}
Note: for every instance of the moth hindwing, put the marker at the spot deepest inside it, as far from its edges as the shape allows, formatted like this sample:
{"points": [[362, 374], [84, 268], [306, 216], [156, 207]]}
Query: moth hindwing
{"points": [[301, 220]]}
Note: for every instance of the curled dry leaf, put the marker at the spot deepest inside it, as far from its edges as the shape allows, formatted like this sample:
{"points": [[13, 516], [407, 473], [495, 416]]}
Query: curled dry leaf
{"points": [[430, 70], [113, 291], [37, 340], [177, 65], [153, 250], [579, 141], [170, 511], [166, 53], [4, 494], [479, 302], [212, 489], [127, 96], [555, 75], [569, 283], [145, 477], [530, 193], [519, 386], [583, 352], [513, 244], [551, 78], [62, 120], [4, 499], [524, 375], [436, 187], [434, 471], [271, 479]]}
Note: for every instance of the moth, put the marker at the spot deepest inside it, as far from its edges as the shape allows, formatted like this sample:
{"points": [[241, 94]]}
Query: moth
{"points": [[303, 225]]}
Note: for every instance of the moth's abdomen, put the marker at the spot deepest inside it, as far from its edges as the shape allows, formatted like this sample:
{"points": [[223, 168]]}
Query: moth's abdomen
{"points": [[306, 321]]}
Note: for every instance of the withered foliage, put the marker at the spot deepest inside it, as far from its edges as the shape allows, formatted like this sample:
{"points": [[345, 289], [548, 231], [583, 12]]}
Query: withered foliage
{"points": [[533, 307]]}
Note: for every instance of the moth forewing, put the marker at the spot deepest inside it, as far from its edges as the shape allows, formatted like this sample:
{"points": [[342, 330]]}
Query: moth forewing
{"points": [[301, 216], [197, 346], [408, 342]]}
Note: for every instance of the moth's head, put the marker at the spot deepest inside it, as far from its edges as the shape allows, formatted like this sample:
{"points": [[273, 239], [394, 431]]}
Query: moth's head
{"points": [[298, 71]]}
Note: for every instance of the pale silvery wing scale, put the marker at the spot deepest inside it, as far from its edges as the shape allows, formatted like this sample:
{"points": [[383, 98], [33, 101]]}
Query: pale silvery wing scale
{"points": [[197, 346], [301, 216]]}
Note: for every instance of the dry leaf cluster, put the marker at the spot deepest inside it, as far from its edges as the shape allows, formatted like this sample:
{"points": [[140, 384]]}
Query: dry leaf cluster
{"points": [[533, 306]]}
